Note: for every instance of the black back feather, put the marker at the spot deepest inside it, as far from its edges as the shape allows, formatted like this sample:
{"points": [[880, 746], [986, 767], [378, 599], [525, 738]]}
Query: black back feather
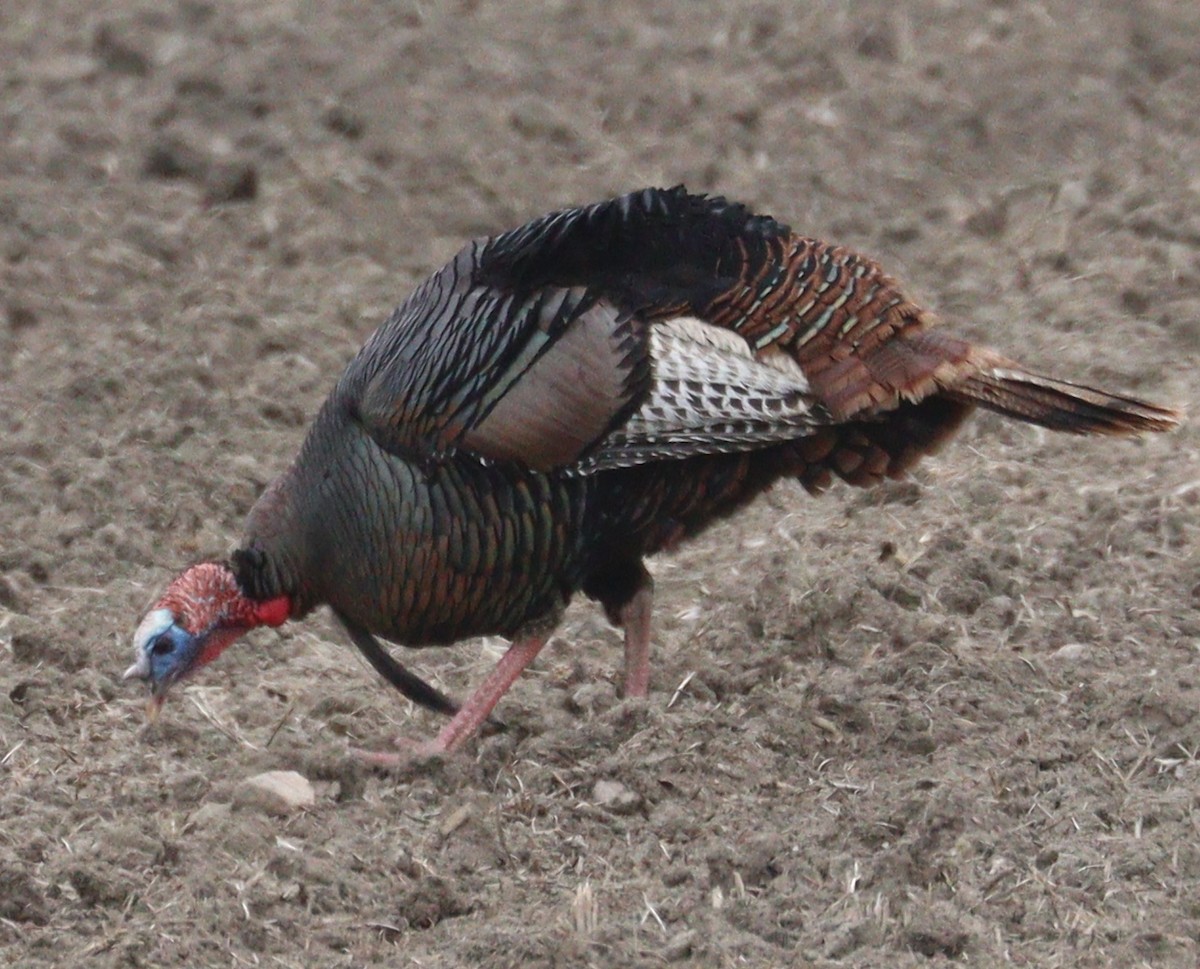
{"points": [[656, 247]]}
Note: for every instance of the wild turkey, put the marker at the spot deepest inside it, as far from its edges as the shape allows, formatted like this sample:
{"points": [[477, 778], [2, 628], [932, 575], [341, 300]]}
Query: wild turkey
{"points": [[561, 401]]}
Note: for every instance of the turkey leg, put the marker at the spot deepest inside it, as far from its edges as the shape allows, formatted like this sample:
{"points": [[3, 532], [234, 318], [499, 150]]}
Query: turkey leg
{"points": [[635, 619], [474, 713], [466, 723]]}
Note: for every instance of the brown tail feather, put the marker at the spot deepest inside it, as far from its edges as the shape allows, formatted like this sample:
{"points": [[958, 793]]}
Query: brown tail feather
{"points": [[1059, 405]]}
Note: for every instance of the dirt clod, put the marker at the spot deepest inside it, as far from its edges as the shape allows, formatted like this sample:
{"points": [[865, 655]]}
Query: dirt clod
{"points": [[429, 902], [20, 899], [233, 181]]}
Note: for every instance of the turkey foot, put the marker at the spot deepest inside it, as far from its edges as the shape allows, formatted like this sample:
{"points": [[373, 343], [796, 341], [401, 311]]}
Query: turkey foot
{"points": [[412, 752]]}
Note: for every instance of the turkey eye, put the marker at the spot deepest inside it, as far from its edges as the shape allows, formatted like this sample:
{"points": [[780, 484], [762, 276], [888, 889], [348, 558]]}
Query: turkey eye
{"points": [[162, 646]]}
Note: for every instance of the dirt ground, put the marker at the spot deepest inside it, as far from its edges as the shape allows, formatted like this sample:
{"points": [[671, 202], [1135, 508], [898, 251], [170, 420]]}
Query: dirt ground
{"points": [[953, 720]]}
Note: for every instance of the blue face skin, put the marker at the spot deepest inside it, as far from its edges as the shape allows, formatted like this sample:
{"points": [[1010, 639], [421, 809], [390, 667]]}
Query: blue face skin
{"points": [[171, 653], [163, 653]]}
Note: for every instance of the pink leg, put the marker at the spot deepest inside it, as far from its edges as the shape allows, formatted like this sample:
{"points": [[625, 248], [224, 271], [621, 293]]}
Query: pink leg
{"points": [[635, 618], [464, 724]]}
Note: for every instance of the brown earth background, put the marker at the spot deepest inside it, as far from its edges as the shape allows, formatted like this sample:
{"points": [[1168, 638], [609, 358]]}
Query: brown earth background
{"points": [[949, 721]]}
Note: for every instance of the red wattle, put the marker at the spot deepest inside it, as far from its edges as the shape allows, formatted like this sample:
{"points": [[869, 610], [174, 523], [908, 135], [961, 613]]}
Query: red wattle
{"points": [[273, 612]]}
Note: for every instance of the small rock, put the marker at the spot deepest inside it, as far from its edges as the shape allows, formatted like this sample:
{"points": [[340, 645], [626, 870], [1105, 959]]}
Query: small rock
{"points": [[455, 820], [278, 792], [1070, 653], [207, 815], [615, 797]]}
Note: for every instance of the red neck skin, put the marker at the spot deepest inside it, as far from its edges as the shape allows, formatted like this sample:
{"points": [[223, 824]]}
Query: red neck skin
{"points": [[268, 612], [208, 603]]}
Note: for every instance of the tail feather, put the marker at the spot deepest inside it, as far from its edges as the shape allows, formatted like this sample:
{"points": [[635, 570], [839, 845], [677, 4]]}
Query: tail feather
{"points": [[1060, 405]]}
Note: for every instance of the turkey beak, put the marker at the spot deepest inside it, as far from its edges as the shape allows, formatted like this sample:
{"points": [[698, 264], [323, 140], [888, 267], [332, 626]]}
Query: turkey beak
{"points": [[154, 706], [154, 703], [138, 671]]}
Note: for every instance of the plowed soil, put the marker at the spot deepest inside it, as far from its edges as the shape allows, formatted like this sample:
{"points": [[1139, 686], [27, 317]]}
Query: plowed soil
{"points": [[954, 720]]}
